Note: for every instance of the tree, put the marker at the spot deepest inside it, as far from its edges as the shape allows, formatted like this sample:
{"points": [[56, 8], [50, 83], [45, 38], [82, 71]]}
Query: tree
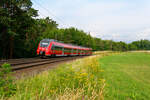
{"points": [[16, 18]]}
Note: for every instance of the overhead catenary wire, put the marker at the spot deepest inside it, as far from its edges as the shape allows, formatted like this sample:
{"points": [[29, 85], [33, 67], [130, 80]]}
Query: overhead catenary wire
{"points": [[42, 14], [49, 12]]}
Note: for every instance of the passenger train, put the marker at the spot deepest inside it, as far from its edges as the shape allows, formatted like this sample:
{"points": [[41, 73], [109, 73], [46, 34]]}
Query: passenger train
{"points": [[53, 48]]}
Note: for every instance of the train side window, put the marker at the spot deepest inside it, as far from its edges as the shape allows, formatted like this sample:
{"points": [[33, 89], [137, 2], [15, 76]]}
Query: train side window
{"points": [[70, 50], [58, 48], [53, 47], [74, 50], [86, 51], [79, 51], [65, 50]]}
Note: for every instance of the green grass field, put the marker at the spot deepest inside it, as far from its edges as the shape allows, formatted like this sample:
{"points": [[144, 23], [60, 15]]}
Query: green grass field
{"points": [[109, 76], [127, 76]]}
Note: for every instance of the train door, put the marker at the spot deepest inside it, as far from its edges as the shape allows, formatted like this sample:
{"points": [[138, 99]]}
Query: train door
{"points": [[63, 51], [72, 52], [76, 51]]}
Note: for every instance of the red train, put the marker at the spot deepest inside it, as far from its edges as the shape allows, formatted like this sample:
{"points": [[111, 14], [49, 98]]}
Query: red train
{"points": [[51, 47]]}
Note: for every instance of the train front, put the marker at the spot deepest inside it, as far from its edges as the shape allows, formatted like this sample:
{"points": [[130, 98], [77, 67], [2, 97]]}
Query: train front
{"points": [[44, 48]]}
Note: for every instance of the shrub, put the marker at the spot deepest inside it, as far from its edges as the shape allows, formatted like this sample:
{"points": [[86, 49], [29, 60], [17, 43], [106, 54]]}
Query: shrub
{"points": [[7, 87]]}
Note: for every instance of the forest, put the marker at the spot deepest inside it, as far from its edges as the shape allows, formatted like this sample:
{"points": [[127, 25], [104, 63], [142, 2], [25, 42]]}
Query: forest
{"points": [[21, 30]]}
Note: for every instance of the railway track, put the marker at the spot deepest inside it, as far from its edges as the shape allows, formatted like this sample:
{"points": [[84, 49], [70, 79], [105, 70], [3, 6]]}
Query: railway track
{"points": [[19, 64]]}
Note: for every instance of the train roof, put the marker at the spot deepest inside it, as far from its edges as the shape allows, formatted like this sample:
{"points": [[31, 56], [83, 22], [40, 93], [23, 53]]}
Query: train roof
{"points": [[50, 40], [60, 43]]}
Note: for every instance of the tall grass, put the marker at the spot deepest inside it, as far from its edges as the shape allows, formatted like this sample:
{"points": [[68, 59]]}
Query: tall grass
{"points": [[78, 80]]}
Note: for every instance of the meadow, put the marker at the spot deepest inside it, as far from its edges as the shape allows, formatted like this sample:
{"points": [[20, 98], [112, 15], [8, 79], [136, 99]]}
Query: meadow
{"points": [[106, 76], [127, 76], [79, 80]]}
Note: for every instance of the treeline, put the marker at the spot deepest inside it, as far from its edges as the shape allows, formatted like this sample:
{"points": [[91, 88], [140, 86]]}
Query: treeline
{"points": [[21, 31]]}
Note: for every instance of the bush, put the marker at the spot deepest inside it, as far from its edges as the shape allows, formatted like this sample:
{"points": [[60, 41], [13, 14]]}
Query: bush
{"points": [[7, 86]]}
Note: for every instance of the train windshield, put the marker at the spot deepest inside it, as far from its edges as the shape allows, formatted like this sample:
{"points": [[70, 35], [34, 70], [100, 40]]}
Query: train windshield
{"points": [[44, 43]]}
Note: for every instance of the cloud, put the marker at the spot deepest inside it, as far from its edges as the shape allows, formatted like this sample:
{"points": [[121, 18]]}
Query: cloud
{"points": [[121, 20]]}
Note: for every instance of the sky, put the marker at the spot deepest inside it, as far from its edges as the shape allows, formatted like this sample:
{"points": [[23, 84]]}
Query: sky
{"points": [[118, 20]]}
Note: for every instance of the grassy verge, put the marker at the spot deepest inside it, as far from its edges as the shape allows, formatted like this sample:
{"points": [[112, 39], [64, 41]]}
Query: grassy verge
{"points": [[127, 76], [78, 80]]}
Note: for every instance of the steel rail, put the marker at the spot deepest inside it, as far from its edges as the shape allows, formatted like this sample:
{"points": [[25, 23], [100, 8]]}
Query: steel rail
{"points": [[23, 65]]}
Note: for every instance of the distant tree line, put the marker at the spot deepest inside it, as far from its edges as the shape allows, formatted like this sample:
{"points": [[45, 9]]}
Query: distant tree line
{"points": [[21, 31]]}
